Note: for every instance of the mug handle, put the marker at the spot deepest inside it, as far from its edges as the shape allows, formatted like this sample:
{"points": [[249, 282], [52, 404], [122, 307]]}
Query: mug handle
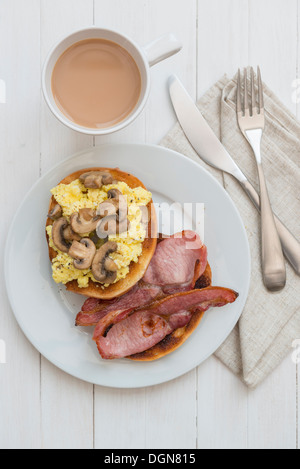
{"points": [[162, 48]]}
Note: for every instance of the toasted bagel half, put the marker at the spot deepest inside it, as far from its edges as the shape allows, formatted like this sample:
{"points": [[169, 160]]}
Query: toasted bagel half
{"points": [[136, 270]]}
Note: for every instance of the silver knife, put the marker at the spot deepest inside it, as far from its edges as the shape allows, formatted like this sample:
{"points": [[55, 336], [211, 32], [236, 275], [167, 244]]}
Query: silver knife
{"points": [[211, 150]]}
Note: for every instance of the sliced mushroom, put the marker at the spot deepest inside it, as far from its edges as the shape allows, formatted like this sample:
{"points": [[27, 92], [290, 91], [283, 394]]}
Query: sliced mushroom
{"points": [[55, 213], [114, 194], [58, 234], [117, 198], [83, 253], [104, 268], [110, 265], [113, 214], [85, 221], [111, 226], [96, 179], [70, 235]]}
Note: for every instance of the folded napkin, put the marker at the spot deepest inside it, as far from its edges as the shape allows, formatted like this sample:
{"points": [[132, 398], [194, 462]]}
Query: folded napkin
{"points": [[270, 321]]}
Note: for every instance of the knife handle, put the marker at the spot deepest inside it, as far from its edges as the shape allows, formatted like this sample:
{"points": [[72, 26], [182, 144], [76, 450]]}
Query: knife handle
{"points": [[290, 245]]}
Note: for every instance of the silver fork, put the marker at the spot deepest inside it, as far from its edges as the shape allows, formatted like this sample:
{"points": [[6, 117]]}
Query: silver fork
{"points": [[251, 119]]}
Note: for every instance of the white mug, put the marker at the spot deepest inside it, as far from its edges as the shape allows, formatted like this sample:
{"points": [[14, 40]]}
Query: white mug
{"points": [[145, 57]]}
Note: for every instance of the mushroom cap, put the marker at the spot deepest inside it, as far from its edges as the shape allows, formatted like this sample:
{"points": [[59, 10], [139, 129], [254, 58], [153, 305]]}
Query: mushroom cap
{"points": [[84, 221], [114, 194], [83, 253], [104, 269], [55, 213], [110, 265], [116, 206], [58, 234], [96, 179], [70, 235]]}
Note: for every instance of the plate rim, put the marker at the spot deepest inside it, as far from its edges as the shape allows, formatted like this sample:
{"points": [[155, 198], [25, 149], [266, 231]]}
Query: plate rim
{"points": [[175, 374]]}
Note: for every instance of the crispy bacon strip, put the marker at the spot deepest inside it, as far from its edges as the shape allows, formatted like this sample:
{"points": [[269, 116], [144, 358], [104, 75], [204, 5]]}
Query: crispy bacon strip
{"points": [[145, 328], [140, 295]]}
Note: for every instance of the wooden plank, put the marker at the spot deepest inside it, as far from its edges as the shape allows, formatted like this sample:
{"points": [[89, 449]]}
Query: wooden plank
{"points": [[67, 403], [222, 408], [181, 19], [222, 40], [19, 165], [171, 414], [272, 410], [67, 410], [119, 418], [222, 48], [273, 45]]}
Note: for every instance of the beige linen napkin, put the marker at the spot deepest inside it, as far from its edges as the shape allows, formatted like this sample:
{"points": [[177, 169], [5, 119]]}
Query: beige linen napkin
{"points": [[270, 321]]}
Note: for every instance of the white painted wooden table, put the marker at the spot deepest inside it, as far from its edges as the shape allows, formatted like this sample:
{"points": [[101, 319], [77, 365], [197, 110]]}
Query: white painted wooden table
{"points": [[40, 406]]}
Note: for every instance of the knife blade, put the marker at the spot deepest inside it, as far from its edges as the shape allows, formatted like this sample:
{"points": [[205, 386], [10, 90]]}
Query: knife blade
{"points": [[210, 149]]}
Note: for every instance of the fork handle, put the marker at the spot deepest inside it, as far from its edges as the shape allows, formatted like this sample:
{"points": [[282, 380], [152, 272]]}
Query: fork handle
{"points": [[273, 266], [290, 245]]}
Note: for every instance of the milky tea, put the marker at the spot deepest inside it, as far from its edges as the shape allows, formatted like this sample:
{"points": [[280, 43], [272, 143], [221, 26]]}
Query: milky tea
{"points": [[96, 83]]}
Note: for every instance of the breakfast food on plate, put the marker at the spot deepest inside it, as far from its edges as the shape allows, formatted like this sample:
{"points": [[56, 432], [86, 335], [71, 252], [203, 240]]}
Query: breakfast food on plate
{"points": [[101, 232], [172, 319], [163, 309], [181, 269], [146, 293]]}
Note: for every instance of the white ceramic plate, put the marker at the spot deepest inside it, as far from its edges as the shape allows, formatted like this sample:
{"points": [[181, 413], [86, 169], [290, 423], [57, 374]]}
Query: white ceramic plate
{"points": [[46, 312]]}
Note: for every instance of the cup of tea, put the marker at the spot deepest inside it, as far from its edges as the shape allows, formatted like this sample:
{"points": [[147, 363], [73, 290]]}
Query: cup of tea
{"points": [[97, 81]]}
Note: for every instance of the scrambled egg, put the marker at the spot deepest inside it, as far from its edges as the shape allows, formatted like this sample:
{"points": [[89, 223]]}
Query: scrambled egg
{"points": [[75, 196]]}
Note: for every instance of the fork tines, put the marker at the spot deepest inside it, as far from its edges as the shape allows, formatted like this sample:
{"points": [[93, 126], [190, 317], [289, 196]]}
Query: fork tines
{"points": [[257, 100]]}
